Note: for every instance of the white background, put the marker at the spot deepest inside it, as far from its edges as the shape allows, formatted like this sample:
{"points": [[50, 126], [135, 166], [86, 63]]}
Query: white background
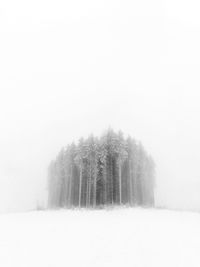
{"points": [[69, 68]]}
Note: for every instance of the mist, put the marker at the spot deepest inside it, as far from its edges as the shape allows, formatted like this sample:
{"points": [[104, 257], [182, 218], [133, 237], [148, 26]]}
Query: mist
{"points": [[68, 69]]}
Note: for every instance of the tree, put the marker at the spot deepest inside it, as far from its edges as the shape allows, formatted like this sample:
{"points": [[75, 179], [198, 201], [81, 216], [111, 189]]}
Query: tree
{"points": [[79, 161], [121, 157]]}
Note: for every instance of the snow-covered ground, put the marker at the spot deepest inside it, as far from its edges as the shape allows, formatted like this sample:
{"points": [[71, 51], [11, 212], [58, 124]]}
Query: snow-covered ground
{"points": [[125, 237]]}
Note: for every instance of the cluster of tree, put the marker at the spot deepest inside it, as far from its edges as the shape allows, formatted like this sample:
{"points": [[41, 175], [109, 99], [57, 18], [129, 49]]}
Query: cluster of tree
{"points": [[99, 172]]}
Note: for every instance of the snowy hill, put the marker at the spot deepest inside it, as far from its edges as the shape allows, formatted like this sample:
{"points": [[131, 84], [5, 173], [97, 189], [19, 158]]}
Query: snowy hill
{"points": [[132, 237]]}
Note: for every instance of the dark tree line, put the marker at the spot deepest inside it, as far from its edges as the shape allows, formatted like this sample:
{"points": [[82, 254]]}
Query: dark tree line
{"points": [[98, 172]]}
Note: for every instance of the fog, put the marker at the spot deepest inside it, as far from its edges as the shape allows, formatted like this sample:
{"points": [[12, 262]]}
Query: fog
{"points": [[71, 68]]}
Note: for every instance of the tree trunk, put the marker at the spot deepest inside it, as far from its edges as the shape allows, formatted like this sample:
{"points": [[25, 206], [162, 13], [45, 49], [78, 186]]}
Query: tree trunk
{"points": [[89, 186], [105, 186], [80, 185], [70, 187], [130, 184], [95, 186], [120, 183]]}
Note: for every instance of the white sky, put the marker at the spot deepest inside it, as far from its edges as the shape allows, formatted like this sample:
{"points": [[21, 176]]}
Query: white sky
{"points": [[69, 68]]}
